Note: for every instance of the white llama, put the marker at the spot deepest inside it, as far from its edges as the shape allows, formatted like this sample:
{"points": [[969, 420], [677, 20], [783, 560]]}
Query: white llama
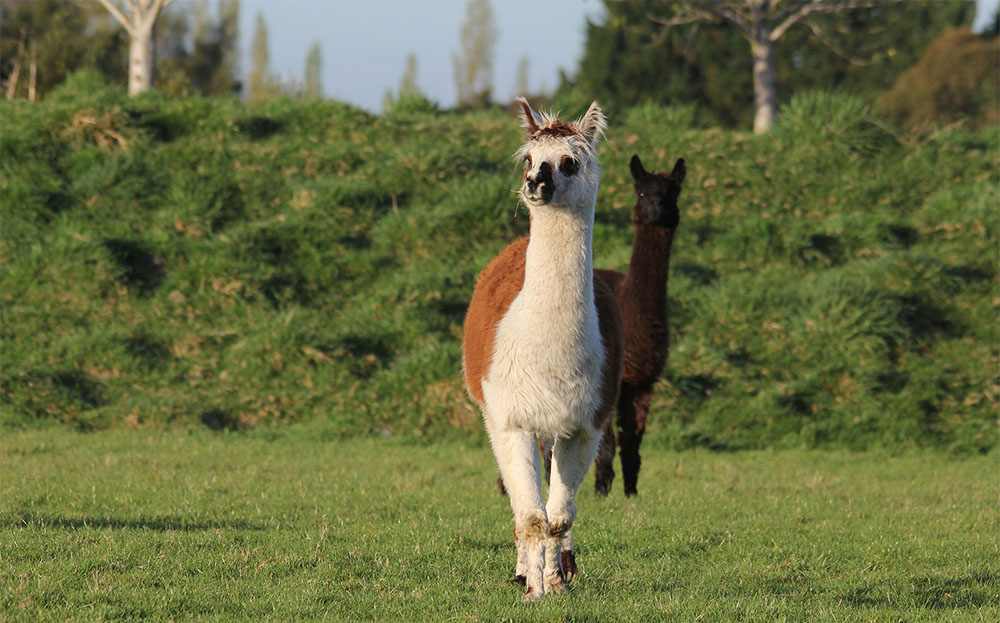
{"points": [[542, 350]]}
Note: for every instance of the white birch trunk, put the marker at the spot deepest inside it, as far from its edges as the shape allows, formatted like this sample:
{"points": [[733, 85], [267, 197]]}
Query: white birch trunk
{"points": [[138, 18], [140, 60], [32, 71], [765, 89]]}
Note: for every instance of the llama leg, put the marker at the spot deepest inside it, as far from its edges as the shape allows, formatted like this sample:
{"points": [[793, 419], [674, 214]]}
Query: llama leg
{"points": [[571, 457], [604, 466], [633, 408], [520, 466]]}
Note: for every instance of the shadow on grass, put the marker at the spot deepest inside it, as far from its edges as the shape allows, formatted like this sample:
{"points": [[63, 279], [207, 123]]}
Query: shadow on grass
{"points": [[163, 523], [140, 267], [976, 590], [484, 545]]}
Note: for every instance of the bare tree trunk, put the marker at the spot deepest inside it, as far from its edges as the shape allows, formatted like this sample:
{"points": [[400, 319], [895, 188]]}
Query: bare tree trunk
{"points": [[16, 71], [140, 60], [765, 89], [33, 71]]}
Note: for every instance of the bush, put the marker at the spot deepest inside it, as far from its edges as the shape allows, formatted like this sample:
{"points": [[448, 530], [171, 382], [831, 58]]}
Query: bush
{"points": [[956, 80]]}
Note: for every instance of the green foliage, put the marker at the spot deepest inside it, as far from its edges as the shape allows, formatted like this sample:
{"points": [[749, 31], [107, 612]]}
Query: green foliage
{"points": [[829, 126], [171, 525], [203, 262]]}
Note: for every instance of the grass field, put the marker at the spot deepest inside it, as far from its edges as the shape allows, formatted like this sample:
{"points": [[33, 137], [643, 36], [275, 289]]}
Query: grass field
{"points": [[193, 525]]}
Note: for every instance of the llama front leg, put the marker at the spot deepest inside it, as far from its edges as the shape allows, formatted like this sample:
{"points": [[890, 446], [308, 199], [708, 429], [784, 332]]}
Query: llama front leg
{"points": [[571, 457], [520, 466]]}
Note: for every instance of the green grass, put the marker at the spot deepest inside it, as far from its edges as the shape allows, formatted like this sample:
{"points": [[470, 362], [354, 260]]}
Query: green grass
{"points": [[170, 262], [192, 525]]}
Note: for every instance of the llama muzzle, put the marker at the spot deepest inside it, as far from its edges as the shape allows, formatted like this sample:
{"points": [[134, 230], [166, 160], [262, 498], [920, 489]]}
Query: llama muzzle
{"points": [[540, 186]]}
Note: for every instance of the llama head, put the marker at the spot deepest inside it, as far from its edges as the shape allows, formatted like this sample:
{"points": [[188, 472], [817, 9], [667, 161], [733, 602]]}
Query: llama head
{"points": [[560, 159], [656, 194]]}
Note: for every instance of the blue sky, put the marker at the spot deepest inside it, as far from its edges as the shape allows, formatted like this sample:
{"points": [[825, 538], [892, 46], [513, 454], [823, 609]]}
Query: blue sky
{"points": [[365, 42]]}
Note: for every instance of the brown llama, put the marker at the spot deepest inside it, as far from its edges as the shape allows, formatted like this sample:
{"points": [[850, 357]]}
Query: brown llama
{"points": [[542, 349], [642, 297]]}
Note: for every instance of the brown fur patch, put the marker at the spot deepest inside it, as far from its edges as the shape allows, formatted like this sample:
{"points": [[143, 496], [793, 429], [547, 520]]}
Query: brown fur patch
{"points": [[557, 129], [496, 288]]}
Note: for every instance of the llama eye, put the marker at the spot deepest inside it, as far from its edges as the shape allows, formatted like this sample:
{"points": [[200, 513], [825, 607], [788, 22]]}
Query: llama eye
{"points": [[568, 166]]}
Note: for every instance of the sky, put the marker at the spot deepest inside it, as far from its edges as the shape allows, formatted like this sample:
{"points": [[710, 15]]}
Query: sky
{"points": [[365, 42]]}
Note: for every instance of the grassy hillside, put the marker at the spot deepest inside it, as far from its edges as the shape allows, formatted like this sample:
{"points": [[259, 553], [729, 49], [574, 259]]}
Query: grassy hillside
{"points": [[199, 261]]}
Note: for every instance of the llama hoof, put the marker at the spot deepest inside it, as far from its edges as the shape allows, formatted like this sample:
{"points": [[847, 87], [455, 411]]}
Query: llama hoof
{"points": [[602, 489], [532, 594], [568, 560], [520, 580], [631, 492]]}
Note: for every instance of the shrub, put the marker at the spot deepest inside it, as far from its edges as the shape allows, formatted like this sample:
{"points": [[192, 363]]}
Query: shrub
{"points": [[956, 80]]}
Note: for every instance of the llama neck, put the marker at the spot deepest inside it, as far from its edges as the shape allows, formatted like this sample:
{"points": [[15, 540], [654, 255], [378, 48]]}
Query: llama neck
{"points": [[649, 268], [559, 264]]}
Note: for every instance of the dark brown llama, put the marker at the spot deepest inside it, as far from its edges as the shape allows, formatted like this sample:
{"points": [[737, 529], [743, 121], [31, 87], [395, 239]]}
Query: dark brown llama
{"points": [[642, 297]]}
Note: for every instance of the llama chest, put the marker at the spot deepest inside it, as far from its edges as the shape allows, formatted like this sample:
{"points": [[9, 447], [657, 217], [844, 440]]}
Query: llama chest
{"points": [[546, 369]]}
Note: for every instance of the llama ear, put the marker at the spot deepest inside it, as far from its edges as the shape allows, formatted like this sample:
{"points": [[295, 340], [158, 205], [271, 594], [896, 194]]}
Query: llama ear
{"points": [[635, 166], [592, 124], [680, 170], [529, 118]]}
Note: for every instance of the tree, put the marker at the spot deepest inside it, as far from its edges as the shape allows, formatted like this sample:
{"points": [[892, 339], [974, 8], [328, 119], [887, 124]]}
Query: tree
{"points": [[213, 67], [628, 59], [408, 83], [630, 56], [55, 38], [762, 23], [195, 50], [138, 18], [314, 69], [409, 98], [262, 82], [522, 84], [473, 63]]}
